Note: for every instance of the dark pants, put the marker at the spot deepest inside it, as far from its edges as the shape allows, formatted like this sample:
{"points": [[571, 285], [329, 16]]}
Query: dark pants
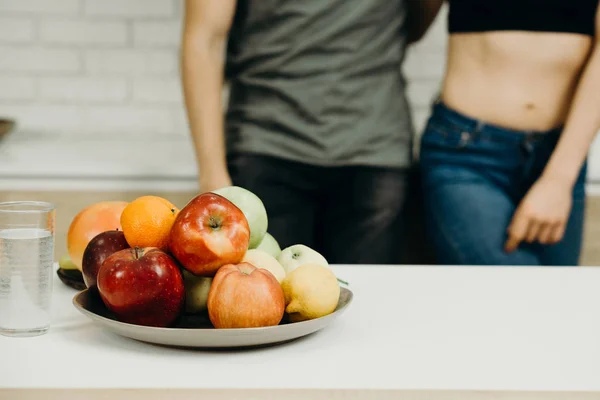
{"points": [[474, 177], [351, 215]]}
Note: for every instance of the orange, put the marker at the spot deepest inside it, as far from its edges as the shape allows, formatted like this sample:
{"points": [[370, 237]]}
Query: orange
{"points": [[147, 222], [89, 222]]}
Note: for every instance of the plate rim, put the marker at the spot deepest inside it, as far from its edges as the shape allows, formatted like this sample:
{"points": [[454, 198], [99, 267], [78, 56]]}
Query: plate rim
{"points": [[217, 331]]}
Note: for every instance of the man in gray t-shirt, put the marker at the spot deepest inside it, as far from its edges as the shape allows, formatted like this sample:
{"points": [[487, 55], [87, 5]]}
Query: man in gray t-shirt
{"points": [[317, 122]]}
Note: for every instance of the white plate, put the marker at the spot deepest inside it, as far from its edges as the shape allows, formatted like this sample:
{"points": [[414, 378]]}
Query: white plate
{"points": [[197, 331]]}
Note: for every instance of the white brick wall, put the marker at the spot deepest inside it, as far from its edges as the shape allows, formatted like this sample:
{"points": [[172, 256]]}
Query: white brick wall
{"points": [[130, 8], [107, 71], [159, 90], [83, 89], [35, 60], [61, 31], [102, 69], [43, 7], [16, 30], [157, 34], [131, 62], [17, 88]]}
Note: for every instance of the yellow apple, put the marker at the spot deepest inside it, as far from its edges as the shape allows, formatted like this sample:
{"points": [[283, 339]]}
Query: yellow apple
{"points": [[296, 255], [262, 259]]}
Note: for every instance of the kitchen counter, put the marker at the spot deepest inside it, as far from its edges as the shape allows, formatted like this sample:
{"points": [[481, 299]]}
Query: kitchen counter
{"points": [[428, 332]]}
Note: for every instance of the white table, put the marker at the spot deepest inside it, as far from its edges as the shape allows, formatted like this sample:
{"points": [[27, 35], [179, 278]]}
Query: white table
{"points": [[430, 332]]}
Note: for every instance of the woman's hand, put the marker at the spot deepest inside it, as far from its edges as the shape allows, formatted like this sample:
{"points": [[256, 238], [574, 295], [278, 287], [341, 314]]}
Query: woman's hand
{"points": [[542, 215]]}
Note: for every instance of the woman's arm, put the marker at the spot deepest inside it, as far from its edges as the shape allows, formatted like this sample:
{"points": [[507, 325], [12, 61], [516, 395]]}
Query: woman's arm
{"points": [[583, 122], [206, 28], [544, 212]]}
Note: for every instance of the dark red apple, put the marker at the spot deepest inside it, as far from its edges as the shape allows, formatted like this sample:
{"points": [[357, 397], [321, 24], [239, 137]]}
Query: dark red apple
{"points": [[209, 232], [99, 249], [142, 286], [243, 296]]}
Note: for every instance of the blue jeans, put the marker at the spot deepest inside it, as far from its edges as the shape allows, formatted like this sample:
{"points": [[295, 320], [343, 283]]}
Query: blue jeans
{"points": [[474, 175]]}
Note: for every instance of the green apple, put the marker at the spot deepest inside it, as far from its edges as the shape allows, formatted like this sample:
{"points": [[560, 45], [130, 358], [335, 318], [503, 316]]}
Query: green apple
{"points": [[262, 259], [196, 292], [252, 207], [269, 244], [298, 254], [66, 263]]}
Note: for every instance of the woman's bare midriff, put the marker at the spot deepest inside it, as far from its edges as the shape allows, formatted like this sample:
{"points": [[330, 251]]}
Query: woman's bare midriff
{"points": [[518, 80]]}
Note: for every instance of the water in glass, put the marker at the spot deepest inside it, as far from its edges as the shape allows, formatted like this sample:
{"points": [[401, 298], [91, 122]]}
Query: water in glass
{"points": [[26, 261]]}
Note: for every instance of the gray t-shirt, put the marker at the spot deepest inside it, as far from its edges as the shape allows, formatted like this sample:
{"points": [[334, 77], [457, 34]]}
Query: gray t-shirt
{"points": [[319, 81]]}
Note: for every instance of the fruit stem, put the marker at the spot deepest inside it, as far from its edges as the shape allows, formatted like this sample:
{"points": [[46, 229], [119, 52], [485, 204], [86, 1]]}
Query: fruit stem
{"points": [[137, 252], [213, 223], [342, 281]]}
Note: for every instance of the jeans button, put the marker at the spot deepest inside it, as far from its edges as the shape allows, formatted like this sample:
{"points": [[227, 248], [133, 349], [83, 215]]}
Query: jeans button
{"points": [[527, 145], [464, 139]]}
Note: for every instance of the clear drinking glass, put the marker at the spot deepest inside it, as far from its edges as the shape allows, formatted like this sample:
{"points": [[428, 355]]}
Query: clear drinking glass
{"points": [[26, 264]]}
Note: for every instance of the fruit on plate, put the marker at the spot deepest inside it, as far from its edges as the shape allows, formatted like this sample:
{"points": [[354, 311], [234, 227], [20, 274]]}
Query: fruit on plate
{"points": [[262, 259], [270, 245], [310, 291], [90, 221], [243, 296], [296, 255], [65, 263], [69, 274], [252, 207], [147, 222], [209, 232], [142, 286], [196, 292], [99, 249]]}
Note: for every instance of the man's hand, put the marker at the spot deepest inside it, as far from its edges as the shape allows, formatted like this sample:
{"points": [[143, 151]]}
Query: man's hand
{"points": [[542, 215], [213, 183], [210, 182]]}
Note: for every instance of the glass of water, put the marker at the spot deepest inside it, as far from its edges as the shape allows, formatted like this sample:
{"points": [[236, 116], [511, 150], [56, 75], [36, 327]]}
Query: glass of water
{"points": [[26, 263]]}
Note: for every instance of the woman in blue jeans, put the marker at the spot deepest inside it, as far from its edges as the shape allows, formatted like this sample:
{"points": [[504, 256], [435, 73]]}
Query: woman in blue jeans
{"points": [[503, 155]]}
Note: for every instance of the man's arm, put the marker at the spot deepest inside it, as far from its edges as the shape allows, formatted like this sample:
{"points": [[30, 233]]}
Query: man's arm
{"points": [[583, 121], [421, 14], [205, 32]]}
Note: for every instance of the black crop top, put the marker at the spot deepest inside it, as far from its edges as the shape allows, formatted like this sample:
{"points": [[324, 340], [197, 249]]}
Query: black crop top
{"points": [[573, 16]]}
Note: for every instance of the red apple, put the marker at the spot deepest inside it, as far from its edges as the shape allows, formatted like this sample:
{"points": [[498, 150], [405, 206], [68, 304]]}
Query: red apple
{"points": [[99, 249], [209, 232], [142, 286], [243, 296]]}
